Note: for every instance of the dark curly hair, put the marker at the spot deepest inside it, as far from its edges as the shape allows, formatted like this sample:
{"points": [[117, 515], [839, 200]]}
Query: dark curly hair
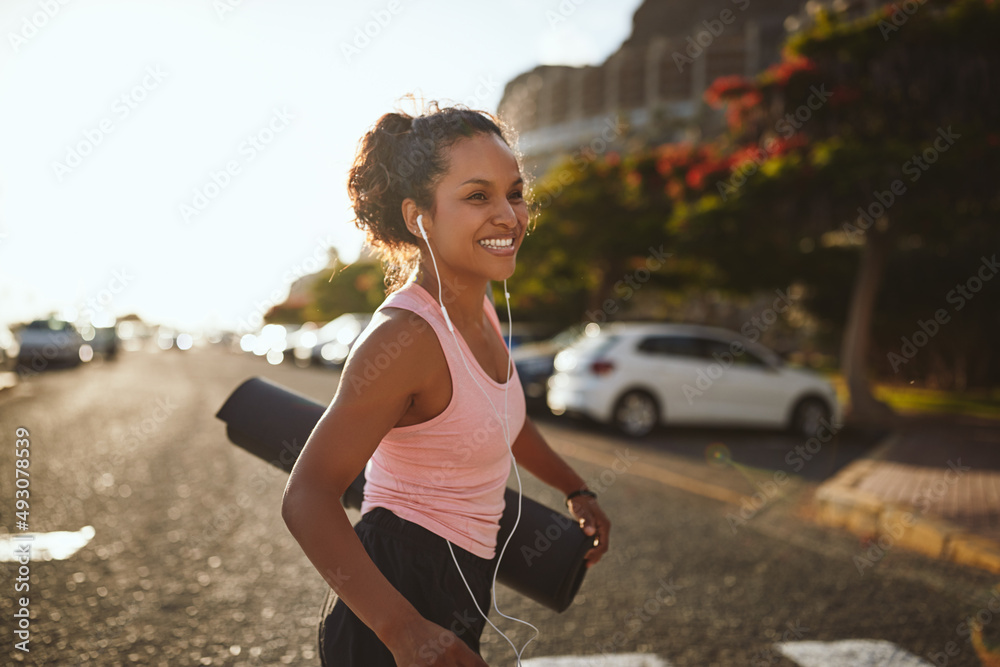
{"points": [[402, 157]]}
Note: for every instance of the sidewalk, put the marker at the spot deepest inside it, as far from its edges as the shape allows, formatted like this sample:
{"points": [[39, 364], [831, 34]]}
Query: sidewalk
{"points": [[932, 486]]}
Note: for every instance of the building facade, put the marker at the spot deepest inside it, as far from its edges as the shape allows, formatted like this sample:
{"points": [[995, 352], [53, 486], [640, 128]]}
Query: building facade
{"points": [[658, 76]]}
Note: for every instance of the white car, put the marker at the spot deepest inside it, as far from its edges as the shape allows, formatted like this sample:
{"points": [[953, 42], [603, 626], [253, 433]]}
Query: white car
{"points": [[639, 375]]}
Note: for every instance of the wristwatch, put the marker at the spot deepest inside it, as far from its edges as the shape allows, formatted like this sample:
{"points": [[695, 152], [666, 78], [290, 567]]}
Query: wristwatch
{"points": [[580, 492]]}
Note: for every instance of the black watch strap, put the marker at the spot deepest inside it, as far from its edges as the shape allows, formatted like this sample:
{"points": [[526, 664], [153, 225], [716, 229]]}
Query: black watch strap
{"points": [[580, 492]]}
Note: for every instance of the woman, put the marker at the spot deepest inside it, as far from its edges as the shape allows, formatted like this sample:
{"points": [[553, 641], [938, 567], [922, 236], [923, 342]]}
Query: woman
{"points": [[431, 399]]}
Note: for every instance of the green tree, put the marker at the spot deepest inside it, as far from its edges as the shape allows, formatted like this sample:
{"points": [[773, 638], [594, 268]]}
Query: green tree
{"points": [[876, 136], [355, 288], [600, 234]]}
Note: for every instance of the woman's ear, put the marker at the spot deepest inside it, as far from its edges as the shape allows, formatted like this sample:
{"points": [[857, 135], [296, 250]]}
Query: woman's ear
{"points": [[410, 212]]}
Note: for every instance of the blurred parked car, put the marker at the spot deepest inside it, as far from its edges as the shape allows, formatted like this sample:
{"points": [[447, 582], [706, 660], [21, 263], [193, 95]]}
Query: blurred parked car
{"points": [[134, 334], [103, 340], [524, 334], [330, 344], [304, 338], [534, 362], [638, 375], [49, 343], [270, 342], [168, 338]]}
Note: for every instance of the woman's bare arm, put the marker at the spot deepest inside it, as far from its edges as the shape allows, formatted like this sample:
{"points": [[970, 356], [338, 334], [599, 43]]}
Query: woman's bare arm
{"points": [[367, 405], [535, 455]]}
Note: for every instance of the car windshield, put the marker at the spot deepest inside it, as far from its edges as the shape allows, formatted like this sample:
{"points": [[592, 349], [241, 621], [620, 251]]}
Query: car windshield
{"points": [[48, 325]]}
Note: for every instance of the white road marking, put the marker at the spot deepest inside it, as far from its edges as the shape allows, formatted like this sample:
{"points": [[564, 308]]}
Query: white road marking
{"points": [[850, 653], [844, 653], [622, 660], [58, 545]]}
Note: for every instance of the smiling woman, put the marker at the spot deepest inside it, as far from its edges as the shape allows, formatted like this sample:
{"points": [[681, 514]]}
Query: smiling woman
{"points": [[439, 424]]}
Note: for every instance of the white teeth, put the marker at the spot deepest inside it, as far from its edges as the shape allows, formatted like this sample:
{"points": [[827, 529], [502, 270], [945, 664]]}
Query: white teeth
{"points": [[497, 243]]}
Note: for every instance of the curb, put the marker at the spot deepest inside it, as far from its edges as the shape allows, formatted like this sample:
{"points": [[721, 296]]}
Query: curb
{"points": [[840, 504]]}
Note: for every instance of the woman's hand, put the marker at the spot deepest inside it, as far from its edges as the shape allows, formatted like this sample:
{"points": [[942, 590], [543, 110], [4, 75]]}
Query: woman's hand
{"points": [[594, 522], [424, 641]]}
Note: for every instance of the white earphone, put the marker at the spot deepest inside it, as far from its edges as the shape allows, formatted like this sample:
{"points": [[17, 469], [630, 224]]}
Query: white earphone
{"points": [[506, 432], [447, 320]]}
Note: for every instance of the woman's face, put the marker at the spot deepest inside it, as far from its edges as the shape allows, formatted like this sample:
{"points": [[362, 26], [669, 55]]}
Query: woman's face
{"points": [[481, 215]]}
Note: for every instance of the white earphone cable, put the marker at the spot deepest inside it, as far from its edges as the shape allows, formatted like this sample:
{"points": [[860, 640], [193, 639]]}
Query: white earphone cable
{"points": [[506, 431]]}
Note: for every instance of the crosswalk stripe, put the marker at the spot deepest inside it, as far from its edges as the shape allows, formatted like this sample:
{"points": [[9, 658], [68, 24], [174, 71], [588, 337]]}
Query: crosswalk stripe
{"points": [[850, 653], [621, 660], [57, 545], [844, 653]]}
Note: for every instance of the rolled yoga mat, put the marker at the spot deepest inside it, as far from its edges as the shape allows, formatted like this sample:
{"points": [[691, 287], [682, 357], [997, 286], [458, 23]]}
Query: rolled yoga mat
{"points": [[544, 560]]}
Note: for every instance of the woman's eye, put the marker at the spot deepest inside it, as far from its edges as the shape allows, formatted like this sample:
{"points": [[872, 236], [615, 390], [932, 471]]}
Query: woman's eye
{"points": [[517, 195]]}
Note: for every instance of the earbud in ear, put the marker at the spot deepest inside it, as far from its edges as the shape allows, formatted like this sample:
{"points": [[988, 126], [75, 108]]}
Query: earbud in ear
{"points": [[420, 224]]}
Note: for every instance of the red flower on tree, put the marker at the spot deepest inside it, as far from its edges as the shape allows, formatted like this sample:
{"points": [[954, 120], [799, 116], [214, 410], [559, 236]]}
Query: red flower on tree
{"points": [[783, 145], [751, 153], [725, 88], [741, 106], [779, 73], [674, 189], [699, 173], [673, 156]]}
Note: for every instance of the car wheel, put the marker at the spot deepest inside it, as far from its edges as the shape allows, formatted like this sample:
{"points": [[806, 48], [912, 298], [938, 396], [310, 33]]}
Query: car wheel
{"points": [[636, 414], [809, 416]]}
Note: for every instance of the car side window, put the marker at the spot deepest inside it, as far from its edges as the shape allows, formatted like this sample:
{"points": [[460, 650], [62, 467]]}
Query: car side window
{"points": [[752, 359], [716, 349], [673, 346]]}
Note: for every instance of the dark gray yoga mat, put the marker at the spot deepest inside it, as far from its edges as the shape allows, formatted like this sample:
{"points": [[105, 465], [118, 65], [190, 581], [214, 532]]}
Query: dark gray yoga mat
{"points": [[544, 560]]}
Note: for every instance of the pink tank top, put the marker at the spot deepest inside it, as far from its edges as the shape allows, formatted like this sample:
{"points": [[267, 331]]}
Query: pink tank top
{"points": [[448, 474]]}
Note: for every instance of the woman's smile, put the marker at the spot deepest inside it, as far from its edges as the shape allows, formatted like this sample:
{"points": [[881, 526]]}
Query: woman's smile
{"points": [[501, 246]]}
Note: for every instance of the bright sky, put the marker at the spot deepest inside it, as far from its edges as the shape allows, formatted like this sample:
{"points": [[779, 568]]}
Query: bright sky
{"points": [[187, 159]]}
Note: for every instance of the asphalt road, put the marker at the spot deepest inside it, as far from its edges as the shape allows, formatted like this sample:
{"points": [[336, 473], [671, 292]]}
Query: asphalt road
{"points": [[191, 563]]}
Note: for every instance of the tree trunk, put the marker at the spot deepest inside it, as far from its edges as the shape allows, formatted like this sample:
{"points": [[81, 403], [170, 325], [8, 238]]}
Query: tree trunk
{"points": [[611, 273], [865, 408], [961, 372]]}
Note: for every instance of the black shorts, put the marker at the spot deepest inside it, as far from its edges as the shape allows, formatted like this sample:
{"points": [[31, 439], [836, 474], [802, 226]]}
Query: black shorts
{"points": [[418, 564]]}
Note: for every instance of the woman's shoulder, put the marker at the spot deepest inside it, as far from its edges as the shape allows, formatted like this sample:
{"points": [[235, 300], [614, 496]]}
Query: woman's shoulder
{"points": [[394, 324], [398, 343], [409, 315]]}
